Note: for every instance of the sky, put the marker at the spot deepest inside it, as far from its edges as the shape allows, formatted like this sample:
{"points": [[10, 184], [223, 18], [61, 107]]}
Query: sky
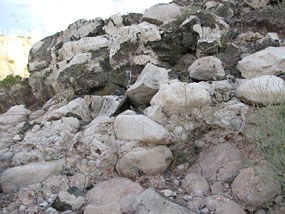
{"points": [[40, 18]]}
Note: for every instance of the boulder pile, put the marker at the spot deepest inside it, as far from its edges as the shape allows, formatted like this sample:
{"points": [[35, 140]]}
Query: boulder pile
{"points": [[146, 113]]}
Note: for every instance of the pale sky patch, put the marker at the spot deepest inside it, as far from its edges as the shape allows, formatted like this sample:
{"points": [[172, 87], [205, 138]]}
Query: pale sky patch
{"points": [[39, 18]]}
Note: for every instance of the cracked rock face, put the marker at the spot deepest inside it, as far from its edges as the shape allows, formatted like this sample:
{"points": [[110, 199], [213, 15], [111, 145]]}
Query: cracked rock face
{"points": [[222, 162]]}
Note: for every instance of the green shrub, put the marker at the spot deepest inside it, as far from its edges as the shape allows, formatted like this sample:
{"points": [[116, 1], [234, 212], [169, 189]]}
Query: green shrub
{"points": [[268, 134], [15, 91], [10, 81]]}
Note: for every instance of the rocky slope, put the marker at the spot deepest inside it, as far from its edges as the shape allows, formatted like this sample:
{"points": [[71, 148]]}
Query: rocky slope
{"points": [[14, 51], [147, 114]]}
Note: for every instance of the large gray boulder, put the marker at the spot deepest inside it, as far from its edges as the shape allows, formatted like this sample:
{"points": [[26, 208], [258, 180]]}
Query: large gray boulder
{"points": [[270, 61], [152, 161], [181, 97], [207, 68], [118, 192], [262, 90], [17, 177], [195, 184], [140, 128], [147, 84]]}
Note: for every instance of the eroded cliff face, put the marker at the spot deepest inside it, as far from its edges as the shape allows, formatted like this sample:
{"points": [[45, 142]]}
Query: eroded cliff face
{"points": [[14, 52]]}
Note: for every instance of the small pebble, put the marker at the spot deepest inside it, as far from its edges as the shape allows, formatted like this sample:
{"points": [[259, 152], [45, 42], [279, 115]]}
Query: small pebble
{"points": [[168, 193]]}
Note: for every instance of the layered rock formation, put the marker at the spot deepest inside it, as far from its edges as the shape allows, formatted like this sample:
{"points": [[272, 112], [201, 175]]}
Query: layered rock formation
{"points": [[147, 114]]}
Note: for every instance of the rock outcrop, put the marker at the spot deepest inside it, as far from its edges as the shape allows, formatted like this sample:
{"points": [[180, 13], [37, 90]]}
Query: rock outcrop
{"points": [[165, 98]]}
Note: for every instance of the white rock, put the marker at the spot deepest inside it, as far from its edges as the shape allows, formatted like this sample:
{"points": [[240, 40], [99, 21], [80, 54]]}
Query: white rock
{"points": [[14, 115], [160, 13], [20, 176], [257, 4], [101, 129], [77, 108], [104, 105], [168, 193], [70, 49], [207, 68], [179, 97], [117, 20], [147, 84], [129, 35], [195, 184], [255, 186], [150, 161], [270, 61], [81, 28], [262, 90], [155, 113], [140, 128], [121, 191], [52, 138]]}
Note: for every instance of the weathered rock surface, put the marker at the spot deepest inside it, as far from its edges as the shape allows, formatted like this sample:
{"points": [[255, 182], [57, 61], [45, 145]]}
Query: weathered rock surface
{"points": [[51, 138], [82, 28], [207, 68], [14, 115], [147, 84], [255, 186], [195, 184], [20, 176], [160, 13], [223, 205], [210, 33], [229, 115], [152, 161], [270, 61], [155, 113], [140, 128], [153, 202], [220, 163], [99, 76], [121, 191], [262, 90], [179, 97]]}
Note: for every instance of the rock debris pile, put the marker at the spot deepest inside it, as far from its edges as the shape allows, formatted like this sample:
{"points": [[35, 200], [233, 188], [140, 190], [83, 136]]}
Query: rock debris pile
{"points": [[146, 114]]}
